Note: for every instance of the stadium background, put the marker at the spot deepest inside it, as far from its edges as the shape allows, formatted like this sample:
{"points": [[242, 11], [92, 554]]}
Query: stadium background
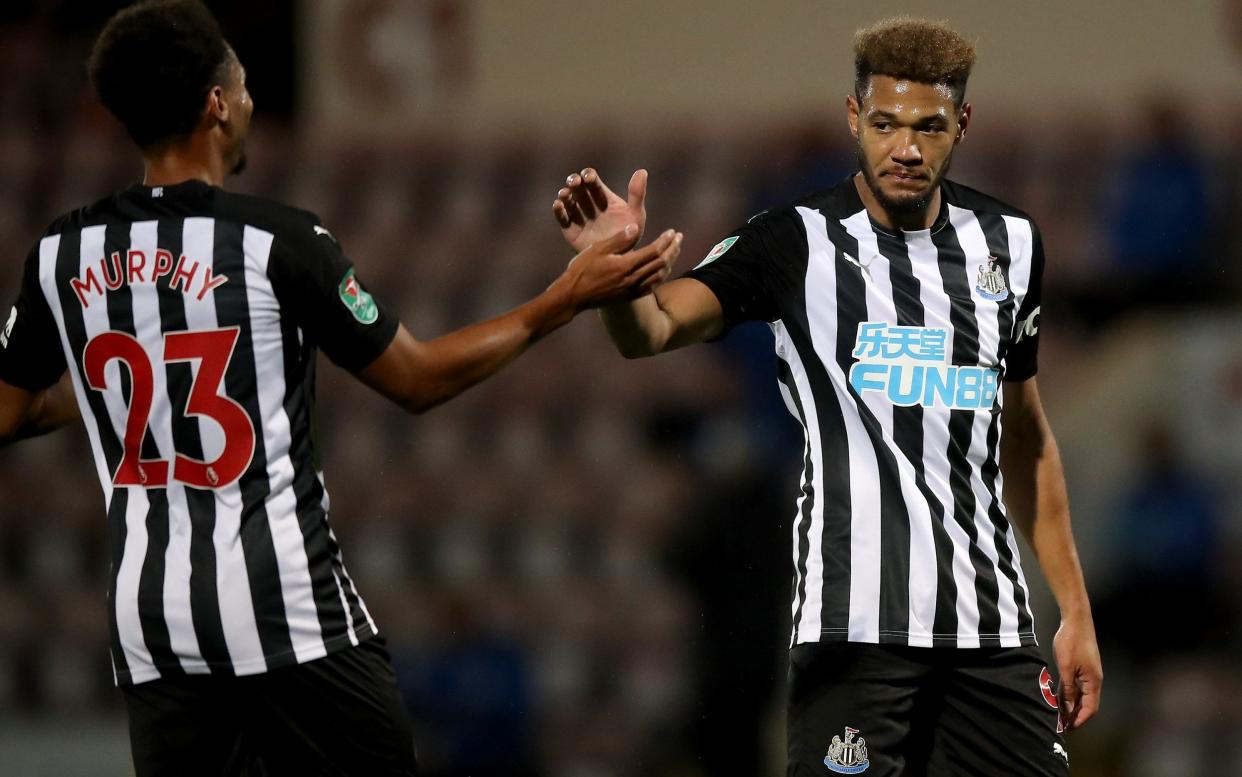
{"points": [[582, 566]]}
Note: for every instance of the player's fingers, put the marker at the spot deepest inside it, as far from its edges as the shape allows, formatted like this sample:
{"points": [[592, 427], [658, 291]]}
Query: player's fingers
{"points": [[651, 251], [571, 210], [646, 273], [595, 188], [638, 189], [1089, 705], [1068, 698], [581, 197], [659, 268], [561, 214]]}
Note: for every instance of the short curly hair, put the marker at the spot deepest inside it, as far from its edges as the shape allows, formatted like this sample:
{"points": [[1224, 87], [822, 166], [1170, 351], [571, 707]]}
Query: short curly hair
{"points": [[915, 49], [153, 65]]}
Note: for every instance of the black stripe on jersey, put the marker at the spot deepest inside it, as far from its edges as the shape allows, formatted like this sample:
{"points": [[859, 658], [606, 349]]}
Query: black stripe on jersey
{"points": [[68, 258], [151, 576], [241, 383], [834, 546], [117, 532], [201, 504], [68, 265], [299, 406], [362, 627], [996, 233], [894, 604], [952, 262], [808, 495], [908, 431]]}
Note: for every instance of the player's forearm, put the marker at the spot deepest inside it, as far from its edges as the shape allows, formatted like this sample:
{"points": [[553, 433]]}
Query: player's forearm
{"points": [[1039, 504], [637, 328], [432, 372], [44, 412]]}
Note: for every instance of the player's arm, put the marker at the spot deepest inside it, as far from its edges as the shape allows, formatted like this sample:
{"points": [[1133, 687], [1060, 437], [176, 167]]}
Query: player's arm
{"points": [[420, 375], [26, 413], [673, 315], [1039, 506], [36, 396]]}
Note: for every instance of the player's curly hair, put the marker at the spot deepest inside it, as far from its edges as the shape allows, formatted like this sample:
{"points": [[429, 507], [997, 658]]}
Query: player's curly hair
{"points": [[153, 65], [915, 49]]}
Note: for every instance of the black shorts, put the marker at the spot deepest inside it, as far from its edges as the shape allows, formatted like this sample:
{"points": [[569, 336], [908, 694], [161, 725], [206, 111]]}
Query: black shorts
{"points": [[338, 715], [892, 711]]}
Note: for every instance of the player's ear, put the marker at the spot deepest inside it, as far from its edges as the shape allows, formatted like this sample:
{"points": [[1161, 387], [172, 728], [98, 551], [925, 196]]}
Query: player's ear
{"points": [[963, 121], [217, 105], [851, 113]]}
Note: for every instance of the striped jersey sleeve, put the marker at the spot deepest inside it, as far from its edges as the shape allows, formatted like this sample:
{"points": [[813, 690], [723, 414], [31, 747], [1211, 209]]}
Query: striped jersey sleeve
{"points": [[320, 289], [750, 269], [1021, 362]]}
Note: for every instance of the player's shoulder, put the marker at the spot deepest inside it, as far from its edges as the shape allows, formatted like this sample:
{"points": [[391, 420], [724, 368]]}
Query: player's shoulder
{"points": [[285, 222], [972, 199], [837, 202], [833, 202], [99, 212]]}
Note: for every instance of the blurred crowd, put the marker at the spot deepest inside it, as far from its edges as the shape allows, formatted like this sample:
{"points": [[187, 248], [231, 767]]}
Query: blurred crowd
{"points": [[582, 566]]}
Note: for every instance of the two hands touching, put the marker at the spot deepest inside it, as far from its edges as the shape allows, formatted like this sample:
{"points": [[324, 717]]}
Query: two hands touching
{"points": [[601, 226]]}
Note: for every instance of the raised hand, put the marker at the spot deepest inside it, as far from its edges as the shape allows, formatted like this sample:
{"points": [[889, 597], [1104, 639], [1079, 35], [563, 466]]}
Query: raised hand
{"points": [[588, 211], [600, 274]]}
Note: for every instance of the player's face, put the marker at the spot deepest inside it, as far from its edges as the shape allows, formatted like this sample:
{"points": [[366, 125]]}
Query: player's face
{"points": [[906, 132]]}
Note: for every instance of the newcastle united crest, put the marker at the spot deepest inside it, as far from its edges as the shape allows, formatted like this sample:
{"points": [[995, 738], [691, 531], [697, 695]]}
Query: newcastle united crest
{"points": [[848, 756], [990, 283]]}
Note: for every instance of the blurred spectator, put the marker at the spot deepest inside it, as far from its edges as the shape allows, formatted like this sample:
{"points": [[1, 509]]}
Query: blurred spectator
{"points": [[470, 697], [1159, 223], [1167, 550]]}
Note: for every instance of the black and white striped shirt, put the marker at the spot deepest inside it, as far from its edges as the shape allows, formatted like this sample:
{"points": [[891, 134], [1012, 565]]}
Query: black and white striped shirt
{"points": [[892, 352], [189, 320]]}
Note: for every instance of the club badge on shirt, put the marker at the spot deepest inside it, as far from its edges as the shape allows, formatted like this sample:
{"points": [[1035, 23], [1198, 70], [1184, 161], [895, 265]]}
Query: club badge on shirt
{"points": [[990, 283], [357, 299]]}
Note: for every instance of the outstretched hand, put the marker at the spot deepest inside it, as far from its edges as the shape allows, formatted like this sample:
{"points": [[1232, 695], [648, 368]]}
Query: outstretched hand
{"points": [[601, 274], [588, 211]]}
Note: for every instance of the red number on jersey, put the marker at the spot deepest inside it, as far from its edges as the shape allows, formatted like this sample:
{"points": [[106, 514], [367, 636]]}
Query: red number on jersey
{"points": [[213, 350], [133, 471]]}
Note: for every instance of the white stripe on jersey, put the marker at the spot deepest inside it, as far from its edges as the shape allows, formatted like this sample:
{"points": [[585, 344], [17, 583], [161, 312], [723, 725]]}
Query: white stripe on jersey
{"points": [[1021, 256], [881, 306], [362, 605], [49, 247], [987, 314], [808, 628], [325, 503], [143, 236], [94, 323], [865, 548], [241, 633], [925, 262], [296, 587]]}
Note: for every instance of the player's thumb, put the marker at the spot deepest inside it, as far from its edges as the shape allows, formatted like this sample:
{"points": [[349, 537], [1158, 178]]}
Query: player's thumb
{"points": [[618, 242], [638, 189]]}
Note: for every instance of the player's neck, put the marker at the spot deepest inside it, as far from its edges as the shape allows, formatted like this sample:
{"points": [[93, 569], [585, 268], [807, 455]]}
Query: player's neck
{"points": [[924, 218], [191, 160]]}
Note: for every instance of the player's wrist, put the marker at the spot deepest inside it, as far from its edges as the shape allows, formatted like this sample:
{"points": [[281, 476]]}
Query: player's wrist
{"points": [[554, 308], [1077, 611]]}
